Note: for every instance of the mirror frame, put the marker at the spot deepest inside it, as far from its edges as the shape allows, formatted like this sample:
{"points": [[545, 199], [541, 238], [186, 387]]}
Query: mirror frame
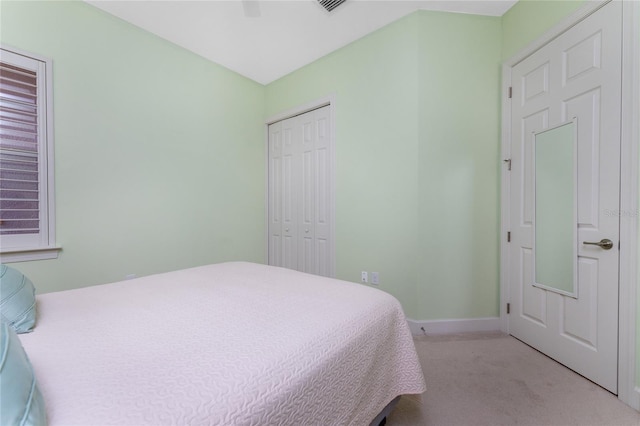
{"points": [[574, 132]]}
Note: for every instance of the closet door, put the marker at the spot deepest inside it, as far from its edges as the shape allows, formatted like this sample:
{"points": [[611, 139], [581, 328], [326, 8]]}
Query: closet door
{"points": [[300, 193], [284, 153], [314, 192]]}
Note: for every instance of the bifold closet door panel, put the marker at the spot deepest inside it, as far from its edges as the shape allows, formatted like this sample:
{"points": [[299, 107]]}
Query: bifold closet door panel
{"points": [[299, 193]]}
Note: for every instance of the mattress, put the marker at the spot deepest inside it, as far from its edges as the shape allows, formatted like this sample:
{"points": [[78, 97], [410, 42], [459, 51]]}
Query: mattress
{"points": [[226, 344]]}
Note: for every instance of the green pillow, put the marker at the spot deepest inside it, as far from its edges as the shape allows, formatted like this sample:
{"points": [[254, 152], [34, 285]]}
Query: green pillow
{"points": [[21, 403], [17, 300]]}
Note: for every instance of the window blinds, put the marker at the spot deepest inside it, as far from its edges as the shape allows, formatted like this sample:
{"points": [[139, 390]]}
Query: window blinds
{"points": [[19, 173]]}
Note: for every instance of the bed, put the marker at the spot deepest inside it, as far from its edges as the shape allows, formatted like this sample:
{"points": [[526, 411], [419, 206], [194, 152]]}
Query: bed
{"points": [[226, 344]]}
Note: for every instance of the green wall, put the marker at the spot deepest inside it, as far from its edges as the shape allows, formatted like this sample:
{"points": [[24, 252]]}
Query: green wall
{"points": [[417, 145], [158, 156], [458, 263], [529, 19]]}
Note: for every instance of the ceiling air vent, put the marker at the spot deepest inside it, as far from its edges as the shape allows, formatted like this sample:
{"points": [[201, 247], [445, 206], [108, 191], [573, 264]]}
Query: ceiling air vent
{"points": [[330, 4]]}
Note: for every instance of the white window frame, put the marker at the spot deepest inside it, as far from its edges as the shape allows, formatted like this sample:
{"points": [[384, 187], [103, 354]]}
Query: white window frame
{"points": [[42, 245]]}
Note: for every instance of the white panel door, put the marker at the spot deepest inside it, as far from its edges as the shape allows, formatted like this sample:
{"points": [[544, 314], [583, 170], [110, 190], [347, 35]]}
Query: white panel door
{"points": [[289, 181], [300, 193], [275, 189], [283, 212], [315, 192], [576, 75]]}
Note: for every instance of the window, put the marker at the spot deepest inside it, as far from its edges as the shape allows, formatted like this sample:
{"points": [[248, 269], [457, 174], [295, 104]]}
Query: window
{"points": [[27, 225]]}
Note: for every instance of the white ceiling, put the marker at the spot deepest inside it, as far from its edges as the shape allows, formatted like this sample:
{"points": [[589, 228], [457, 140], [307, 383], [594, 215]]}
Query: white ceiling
{"points": [[284, 37]]}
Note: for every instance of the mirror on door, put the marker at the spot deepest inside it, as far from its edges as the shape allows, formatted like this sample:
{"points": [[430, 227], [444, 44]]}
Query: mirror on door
{"points": [[555, 212]]}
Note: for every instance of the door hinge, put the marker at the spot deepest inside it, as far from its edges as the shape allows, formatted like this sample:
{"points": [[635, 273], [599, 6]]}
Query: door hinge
{"points": [[508, 236], [507, 161], [508, 308], [510, 92]]}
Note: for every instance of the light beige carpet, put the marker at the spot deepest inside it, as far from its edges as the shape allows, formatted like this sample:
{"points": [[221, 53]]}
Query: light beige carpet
{"points": [[494, 379]]}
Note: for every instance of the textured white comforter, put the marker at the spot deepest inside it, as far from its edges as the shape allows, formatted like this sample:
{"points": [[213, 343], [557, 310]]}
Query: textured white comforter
{"points": [[227, 344]]}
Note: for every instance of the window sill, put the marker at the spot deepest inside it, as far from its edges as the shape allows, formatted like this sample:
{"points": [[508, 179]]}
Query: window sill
{"points": [[28, 254]]}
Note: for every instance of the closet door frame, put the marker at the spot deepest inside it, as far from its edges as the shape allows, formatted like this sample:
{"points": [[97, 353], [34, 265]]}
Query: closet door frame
{"points": [[329, 101]]}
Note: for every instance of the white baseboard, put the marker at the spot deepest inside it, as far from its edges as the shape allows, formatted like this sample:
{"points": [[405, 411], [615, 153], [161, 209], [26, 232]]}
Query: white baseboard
{"points": [[450, 326]]}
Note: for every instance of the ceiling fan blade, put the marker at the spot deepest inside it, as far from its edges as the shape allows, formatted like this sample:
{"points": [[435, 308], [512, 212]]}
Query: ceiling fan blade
{"points": [[251, 8]]}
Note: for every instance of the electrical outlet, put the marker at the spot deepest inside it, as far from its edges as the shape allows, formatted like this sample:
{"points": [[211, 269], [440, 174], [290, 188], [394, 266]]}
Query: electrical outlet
{"points": [[375, 278], [364, 277]]}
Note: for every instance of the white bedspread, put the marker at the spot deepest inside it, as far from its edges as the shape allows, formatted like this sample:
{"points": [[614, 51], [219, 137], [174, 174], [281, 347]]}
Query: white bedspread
{"points": [[227, 344]]}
